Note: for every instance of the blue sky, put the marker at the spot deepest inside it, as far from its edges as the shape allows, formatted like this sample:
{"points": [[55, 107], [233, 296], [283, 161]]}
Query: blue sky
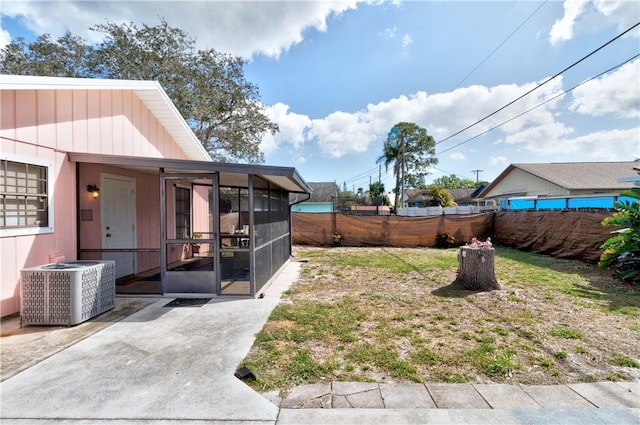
{"points": [[337, 76]]}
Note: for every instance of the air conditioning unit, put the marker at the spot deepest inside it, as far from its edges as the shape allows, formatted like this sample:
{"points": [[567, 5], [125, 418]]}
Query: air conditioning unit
{"points": [[67, 293]]}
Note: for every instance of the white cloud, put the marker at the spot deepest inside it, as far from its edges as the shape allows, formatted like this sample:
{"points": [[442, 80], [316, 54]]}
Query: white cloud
{"points": [[5, 38], [242, 28], [497, 160], [562, 29], [389, 32], [624, 13], [545, 137], [344, 133], [585, 16], [607, 145], [616, 93], [406, 41], [457, 156], [293, 128]]}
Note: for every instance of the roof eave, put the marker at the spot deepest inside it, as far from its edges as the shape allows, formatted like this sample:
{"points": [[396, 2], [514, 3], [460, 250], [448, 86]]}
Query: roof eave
{"points": [[274, 174], [150, 93]]}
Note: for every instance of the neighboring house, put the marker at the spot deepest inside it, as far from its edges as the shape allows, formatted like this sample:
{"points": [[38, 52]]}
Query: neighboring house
{"points": [[418, 198], [322, 200], [466, 202], [108, 169], [591, 183], [370, 210]]}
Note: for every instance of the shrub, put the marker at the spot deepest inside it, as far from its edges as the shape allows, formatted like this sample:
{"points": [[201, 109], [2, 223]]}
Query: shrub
{"points": [[622, 252], [445, 240]]}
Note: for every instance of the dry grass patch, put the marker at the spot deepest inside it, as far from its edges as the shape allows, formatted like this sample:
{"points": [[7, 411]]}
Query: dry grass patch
{"points": [[393, 315]]}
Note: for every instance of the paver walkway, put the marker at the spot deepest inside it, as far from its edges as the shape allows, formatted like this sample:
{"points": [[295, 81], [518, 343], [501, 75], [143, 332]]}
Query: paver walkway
{"points": [[340, 395]]}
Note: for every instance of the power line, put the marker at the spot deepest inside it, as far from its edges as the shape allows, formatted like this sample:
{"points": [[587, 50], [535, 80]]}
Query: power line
{"points": [[539, 105], [361, 175], [451, 172], [500, 45], [539, 85], [366, 174]]}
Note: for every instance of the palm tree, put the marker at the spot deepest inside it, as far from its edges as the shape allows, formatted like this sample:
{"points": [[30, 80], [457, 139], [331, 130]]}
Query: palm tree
{"points": [[411, 150], [391, 155]]}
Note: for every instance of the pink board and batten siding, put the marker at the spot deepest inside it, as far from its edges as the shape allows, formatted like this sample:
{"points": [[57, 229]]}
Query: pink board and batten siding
{"points": [[44, 125]]}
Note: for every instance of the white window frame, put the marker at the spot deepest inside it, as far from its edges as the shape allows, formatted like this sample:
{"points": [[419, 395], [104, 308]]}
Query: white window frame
{"points": [[27, 231]]}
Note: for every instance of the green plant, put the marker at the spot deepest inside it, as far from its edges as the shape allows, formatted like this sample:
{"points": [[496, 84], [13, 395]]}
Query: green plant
{"points": [[624, 361], [500, 331], [566, 333], [196, 246], [501, 364], [622, 252], [579, 349], [445, 240], [561, 355], [440, 196], [454, 378], [544, 361]]}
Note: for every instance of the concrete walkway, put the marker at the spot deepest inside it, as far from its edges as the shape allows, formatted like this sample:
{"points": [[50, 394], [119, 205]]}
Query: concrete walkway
{"points": [[364, 403], [165, 365]]}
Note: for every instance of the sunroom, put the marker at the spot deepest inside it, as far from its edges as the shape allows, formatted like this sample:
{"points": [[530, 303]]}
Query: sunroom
{"points": [[182, 227]]}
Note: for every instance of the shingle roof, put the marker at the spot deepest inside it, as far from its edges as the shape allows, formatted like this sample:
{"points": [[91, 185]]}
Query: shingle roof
{"points": [[323, 191], [583, 175], [576, 175]]}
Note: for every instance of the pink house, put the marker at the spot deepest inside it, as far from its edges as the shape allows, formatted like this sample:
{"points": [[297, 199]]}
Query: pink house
{"points": [[108, 169]]}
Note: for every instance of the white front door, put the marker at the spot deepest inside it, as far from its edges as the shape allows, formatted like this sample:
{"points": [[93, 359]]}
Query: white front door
{"points": [[118, 217]]}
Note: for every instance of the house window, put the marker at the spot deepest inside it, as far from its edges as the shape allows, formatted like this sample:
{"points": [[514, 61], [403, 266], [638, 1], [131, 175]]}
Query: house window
{"points": [[24, 198], [183, 212]]}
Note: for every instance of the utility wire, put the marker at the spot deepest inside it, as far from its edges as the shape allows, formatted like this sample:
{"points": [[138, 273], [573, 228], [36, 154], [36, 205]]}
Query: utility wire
{"points": [[450, 172], [541, 104], [539, 85], [368, 173], [500, 45], [362, 175]]}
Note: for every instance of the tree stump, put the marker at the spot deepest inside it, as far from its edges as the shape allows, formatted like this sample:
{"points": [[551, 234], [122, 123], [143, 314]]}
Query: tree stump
{"points": [[476, 270]]}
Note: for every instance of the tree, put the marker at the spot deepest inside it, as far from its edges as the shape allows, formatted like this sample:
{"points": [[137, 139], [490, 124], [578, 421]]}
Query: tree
{"points": [[440, 196], [208, 88], [64, 58], [376, 190], [345, 200], [455, 182], [411, 151], [622, 251]]}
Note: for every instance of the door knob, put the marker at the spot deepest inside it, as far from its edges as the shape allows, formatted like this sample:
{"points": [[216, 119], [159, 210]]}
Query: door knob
{"points": [[108, 235]]}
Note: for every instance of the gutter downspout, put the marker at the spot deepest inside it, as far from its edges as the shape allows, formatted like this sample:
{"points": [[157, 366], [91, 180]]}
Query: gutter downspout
{"points": [[291, 223]]}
